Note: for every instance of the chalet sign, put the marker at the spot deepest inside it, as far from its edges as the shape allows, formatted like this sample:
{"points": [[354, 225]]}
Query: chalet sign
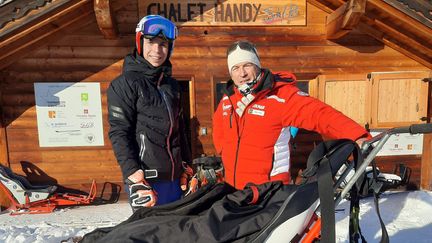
{"points": [[228, 13]]}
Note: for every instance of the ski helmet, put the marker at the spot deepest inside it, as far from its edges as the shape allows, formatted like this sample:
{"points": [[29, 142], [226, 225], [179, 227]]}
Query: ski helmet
{"points": [[153, 26]]}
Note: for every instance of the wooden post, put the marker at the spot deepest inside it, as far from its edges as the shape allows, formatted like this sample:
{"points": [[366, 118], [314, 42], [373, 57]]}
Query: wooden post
{"points": [[105, 19], [4, 156], [345, 18], [426, 162]]}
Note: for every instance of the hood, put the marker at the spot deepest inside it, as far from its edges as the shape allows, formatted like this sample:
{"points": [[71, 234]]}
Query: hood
{"points": [[136, 63]]}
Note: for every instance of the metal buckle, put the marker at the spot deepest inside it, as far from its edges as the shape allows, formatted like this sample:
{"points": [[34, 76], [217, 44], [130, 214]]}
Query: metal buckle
{"points": [[148, 174]]}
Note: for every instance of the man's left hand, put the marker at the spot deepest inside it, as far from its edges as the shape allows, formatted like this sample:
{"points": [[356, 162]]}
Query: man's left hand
{"points": [[188, 181], [360, 141]]}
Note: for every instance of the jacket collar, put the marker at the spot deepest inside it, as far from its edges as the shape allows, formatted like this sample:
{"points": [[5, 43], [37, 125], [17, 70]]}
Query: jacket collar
{"points": [[136, 63], [266, 83]]}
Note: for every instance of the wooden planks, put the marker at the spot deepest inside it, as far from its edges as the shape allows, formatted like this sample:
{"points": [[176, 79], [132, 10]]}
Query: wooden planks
{"points": [[83, 55], [354, 89]]}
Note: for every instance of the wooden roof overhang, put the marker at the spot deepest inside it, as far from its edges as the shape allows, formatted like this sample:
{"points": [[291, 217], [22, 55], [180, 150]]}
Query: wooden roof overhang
{"points": [[25, 25], [393, 22], [400, 24]]}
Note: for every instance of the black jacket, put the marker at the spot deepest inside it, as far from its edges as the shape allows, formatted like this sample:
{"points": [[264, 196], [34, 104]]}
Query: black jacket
{"points": [[147, 128]]}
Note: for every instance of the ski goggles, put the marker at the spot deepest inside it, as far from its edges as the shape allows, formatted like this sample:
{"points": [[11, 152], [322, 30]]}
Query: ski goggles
{"points": [[244, 45], [157, 26]]}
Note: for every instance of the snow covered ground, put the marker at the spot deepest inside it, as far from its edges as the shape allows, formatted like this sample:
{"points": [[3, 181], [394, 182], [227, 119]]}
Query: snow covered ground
{"points": [[407, 216]]}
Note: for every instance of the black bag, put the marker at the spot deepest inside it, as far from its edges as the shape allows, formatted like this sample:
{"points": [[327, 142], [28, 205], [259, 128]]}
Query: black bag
{"points": [[212, 214]]}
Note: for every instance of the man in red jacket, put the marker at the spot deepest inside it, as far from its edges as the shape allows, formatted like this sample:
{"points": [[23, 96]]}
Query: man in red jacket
{"points": [[251, 124]]}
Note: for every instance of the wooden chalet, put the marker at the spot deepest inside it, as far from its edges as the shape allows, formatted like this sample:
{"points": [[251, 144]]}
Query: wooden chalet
{"points": [[371, 59]]}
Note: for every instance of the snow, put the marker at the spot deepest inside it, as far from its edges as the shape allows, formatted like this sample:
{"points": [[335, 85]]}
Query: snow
{"points": [[406, 215]]}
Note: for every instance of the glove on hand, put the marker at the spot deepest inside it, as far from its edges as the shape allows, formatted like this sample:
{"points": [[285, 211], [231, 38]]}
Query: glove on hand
{"points": [[188, 180], [140, 193]]}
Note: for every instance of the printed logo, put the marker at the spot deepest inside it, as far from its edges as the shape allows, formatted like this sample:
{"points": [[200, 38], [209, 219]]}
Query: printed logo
{"points": [[51, 114], [256, 112], [84, 98], [225, 107], [90, 138], [262, 107]]}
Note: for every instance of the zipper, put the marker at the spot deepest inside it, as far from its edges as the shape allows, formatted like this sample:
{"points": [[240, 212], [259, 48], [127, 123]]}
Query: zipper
{"points": [[231, 117], [236, 159], [238, 139], [272, 166], [241, 122], [170, 115]]}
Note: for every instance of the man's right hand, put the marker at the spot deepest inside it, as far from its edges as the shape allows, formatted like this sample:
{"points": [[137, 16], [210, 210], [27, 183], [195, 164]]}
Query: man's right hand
{"points": [[141, 195], [140, 192]]}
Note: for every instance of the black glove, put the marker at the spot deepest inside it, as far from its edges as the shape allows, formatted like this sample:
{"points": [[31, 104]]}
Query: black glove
{"points": [[141, 195]]}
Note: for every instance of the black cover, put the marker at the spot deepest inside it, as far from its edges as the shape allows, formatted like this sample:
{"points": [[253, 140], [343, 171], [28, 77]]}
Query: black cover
{"points": [[212, 214]]}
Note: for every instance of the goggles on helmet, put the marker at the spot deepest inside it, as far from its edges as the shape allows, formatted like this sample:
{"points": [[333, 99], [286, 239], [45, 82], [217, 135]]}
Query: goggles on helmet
{"points": [[156, 25], [244, 45]]}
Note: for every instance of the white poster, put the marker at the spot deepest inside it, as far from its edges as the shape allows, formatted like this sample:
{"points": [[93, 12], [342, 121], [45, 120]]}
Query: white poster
{"points": [[69, 114], [402, 144]]}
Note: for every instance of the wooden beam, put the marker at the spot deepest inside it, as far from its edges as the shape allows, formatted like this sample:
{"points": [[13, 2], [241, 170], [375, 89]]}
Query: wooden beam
{"points": [[105, 20], [426, 164], [345, 18], [408, 47], [4, 155], [320, 5], [14, 47], [327, 5], [426, 161], [386, 24], [394, 15]]}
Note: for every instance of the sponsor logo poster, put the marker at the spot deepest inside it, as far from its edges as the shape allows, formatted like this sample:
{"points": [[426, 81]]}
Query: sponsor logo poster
{"points": [[69, 114], [401, 144]]}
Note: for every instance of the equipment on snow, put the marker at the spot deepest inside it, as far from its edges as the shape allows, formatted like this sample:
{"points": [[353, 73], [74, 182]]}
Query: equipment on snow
{"points": [[26, 198]]}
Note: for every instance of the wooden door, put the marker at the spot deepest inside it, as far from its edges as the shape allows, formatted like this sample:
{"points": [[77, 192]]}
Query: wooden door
{"points": [[188, 105], [348, 94], [399, 99]]}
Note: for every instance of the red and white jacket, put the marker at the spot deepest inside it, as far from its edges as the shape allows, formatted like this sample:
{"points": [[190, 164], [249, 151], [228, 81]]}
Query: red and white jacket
{"points": [[255, 146]]}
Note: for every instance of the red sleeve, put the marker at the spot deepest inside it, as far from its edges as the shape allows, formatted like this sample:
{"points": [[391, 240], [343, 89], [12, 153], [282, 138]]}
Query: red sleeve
{"points": [[311, 114], [218, 129]]}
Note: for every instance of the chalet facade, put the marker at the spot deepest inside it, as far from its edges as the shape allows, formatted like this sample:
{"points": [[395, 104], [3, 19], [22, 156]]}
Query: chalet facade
{"points": [[371, 59]]}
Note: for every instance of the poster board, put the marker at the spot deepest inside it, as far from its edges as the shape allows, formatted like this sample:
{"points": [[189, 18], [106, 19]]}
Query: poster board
{"points": [[69, 114], [401, 144]]}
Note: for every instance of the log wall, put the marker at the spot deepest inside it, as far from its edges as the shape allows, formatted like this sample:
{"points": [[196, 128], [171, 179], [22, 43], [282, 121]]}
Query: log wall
{"points": [[199, 55]]}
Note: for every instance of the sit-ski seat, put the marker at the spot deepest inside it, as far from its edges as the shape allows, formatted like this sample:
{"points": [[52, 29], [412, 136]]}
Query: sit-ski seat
{"points": [[19, 187]]}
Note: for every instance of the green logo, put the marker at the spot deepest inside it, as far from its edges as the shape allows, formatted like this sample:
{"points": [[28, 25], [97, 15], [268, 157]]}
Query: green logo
{"points": [[84, 97]]}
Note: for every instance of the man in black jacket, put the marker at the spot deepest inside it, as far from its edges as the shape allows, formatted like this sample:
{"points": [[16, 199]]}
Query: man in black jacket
{"points": [[147, 130]]}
